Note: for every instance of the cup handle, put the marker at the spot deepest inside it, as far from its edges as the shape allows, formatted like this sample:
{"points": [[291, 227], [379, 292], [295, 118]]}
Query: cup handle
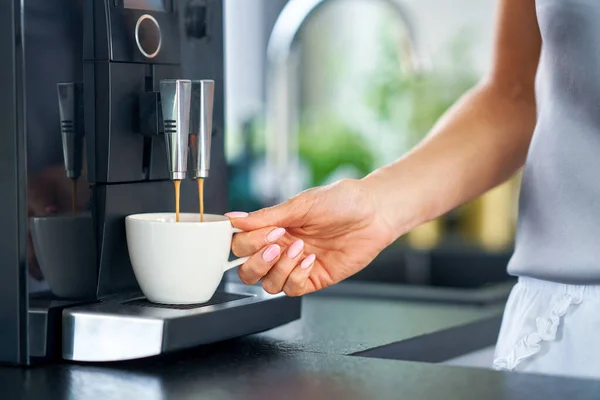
{"points": [[235, 263], [238, 261]]}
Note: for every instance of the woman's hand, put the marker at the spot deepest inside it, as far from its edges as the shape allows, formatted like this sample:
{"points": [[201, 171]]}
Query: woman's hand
{"points": [[313, 240]]}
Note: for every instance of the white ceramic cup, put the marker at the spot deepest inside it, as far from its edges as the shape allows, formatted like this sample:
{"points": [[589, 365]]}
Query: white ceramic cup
{"points": [[179, 262]]}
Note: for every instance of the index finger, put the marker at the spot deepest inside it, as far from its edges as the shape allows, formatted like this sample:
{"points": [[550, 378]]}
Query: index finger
{"points": [[248, 243], [279, 215]]}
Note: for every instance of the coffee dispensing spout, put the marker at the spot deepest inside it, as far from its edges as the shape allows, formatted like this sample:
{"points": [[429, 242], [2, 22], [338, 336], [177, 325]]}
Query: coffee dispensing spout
{"points": [[175, 97], [70, 103], [201, 117]]}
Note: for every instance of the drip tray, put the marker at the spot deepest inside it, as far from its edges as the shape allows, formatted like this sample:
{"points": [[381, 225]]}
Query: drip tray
{"points": [[133, 327], [218, 298]]}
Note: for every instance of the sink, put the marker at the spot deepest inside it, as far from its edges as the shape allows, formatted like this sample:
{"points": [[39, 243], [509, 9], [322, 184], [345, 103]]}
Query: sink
{"points": [[451, 274], [452, 266]]}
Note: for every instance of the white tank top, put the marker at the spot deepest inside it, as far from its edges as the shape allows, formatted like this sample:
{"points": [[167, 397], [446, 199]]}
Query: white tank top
{"points": [[558, 236]]}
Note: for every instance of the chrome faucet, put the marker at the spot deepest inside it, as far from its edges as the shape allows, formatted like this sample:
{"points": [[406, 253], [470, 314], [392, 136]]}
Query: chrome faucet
{"points": [[282, 77]]}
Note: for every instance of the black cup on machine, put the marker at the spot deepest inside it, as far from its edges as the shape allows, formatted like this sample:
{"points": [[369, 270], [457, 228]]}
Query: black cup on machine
{"points": [[65, 248]]}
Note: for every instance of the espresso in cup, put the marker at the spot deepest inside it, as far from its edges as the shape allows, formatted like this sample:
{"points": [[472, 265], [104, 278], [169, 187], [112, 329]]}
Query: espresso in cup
{"points": [[179, 262]]}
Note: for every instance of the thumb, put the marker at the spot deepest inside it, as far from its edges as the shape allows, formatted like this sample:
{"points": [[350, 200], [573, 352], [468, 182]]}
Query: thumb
{"points": [[284, 215]]}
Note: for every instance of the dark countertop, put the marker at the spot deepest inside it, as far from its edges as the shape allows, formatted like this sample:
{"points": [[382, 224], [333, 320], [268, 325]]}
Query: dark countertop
{"points": [[334, 325], [233, 372], [308, 359]]}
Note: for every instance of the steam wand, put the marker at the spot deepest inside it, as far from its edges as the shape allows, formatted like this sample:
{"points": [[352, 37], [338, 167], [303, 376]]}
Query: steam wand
{"points": [[70, 103]]}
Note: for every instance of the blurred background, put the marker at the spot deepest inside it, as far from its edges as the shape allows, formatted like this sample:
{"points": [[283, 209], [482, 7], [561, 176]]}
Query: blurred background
{"points": [[320, 90]]}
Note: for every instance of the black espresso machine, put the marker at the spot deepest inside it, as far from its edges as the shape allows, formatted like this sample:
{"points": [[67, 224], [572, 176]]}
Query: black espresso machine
{"points": [[95, 126]]}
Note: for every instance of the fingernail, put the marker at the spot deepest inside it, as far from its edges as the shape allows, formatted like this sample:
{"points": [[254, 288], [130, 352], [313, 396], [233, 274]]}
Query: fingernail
{"points": [[271, 253], [275, 234], [295, 249], [308, 262], [237, 214]]}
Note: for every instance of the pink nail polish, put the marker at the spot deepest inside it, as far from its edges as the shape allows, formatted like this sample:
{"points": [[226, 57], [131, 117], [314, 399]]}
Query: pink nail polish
{"points": [[237, 214], [275, 234], [295, 249], [271, 253], [308, 262]]}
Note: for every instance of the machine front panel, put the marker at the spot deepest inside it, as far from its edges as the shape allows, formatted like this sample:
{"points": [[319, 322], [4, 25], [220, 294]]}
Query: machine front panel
{"points": [[90, 150]]}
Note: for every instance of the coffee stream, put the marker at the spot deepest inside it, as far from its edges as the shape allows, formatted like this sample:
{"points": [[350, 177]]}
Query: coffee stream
{"points": [[177, 191], [177, 184], [201, 198]]}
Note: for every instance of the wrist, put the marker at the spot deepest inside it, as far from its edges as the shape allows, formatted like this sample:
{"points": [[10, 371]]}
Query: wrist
{"points": [[397, 200]]}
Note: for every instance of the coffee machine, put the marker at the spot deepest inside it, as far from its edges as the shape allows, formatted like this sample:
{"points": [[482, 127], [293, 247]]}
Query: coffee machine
{"points": [[143, 106]]}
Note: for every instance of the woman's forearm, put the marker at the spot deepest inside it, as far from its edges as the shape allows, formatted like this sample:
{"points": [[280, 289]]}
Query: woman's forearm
{"points": [[480, 142]]}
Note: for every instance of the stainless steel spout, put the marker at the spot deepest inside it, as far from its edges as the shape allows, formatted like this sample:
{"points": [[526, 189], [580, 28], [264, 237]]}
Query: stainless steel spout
{"points": [[175, 97], [201, 116], [282, 88], [70, 103]]}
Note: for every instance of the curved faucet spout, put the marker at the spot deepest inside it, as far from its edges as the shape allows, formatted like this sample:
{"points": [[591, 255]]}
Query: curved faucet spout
{"points": [[295, 14], [282, 88]]}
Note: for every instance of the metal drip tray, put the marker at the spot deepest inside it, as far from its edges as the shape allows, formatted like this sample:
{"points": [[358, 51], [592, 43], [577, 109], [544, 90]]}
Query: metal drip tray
{"points": [[218, 298], [131, 328]]}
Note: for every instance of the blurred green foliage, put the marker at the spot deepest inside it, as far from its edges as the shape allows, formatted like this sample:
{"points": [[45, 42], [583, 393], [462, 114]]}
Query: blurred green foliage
{"points": [[407, 103], [414, 101], [327, 144]]}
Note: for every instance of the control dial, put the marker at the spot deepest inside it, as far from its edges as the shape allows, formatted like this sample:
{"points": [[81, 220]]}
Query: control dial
{"points": [[148, 36]]}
